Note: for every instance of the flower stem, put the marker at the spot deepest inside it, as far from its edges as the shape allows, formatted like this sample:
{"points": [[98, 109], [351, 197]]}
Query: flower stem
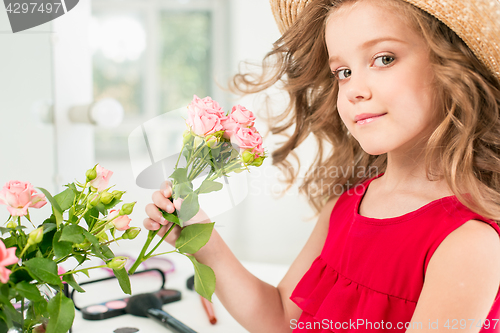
{"points": [[84, 212], [160, 242], [81, 270], [159, 254], [140, 259], [179, 157]]}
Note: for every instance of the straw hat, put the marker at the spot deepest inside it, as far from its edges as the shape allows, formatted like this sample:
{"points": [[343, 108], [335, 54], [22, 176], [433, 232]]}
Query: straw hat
{"points": [[476, 22]]}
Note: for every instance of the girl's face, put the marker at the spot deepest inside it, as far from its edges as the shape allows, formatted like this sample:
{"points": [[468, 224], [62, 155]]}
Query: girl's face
{"points": [[383, 69]]}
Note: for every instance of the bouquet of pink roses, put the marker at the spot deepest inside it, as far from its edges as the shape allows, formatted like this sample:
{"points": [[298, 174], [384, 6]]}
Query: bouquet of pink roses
{"points": [[217, 144], [80, 227]]}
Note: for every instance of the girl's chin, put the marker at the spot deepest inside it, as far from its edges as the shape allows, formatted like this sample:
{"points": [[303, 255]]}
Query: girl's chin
{"points": [[373, 149]]}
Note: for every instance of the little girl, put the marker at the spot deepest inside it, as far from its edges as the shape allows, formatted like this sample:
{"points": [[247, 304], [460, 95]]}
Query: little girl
{"points": [[407, 93]]}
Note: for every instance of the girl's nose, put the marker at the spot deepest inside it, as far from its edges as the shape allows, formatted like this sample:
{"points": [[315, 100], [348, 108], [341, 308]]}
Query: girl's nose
{"points": [[357, 89]]}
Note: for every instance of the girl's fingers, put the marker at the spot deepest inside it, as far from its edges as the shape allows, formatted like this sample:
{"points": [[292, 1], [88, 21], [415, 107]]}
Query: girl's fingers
{"points": [[154, 214], [166, 188], [162, 202], [150, 224]]}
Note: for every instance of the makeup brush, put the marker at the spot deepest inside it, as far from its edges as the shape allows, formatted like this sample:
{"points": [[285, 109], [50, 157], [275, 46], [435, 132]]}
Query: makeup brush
{"points": [[148, 305], [209, 308]]}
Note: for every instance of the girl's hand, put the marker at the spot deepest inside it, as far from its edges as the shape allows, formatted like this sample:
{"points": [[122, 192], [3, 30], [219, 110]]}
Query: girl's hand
{"points": [[155, 220]]}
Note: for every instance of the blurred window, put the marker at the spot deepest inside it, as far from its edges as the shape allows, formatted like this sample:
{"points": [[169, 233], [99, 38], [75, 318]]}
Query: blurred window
{"points": [[151, 56]]}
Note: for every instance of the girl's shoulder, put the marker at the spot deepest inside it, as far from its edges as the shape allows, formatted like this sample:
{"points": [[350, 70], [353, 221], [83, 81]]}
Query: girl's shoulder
{"points": [[466, 265]]}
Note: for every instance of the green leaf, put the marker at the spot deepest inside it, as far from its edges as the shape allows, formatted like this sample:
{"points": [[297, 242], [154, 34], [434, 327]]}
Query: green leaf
{"points": [[113, 203], [101, 209], [170, 217], [73, 233], [193, 237], [85, 271], [189, 208], [6, 230], [11, 314], [90, 217], [56, 209], [71, 215], [60, 247], [209, 186], [10, 242], [106, 251], [29, 291], [80, 258], [179, 175], [4, 327], [123, 279], [182, 190], [65, 199], [72, 186], [46, 245], [43, 269], [20, 274], [70, 279], [48, 227], [91, 238], [204, 279], [62, 313]]}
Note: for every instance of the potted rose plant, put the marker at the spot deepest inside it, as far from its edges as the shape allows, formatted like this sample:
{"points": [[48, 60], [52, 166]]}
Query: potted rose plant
{"points": [[80, 227]]}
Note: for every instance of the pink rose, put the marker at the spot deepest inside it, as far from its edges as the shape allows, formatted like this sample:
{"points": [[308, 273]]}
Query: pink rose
{"points": [[242, 116], [19, 196], [230, 126], [7, 257], [121, 222], [102, 179], [258, 151], [205, 116], [246, 138]]}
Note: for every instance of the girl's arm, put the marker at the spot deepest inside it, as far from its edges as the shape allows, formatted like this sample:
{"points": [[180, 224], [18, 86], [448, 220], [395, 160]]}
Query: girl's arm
{"points": [[461, 282], [256, 305]]}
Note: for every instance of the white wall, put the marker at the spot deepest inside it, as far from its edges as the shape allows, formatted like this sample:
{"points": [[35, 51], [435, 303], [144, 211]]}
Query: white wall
{"points": [[261, 228], [26, 149], [274, 229]]}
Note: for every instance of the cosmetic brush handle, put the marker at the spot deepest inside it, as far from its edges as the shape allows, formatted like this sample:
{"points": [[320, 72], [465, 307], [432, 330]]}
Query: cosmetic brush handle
{"points": [[167, 320]]}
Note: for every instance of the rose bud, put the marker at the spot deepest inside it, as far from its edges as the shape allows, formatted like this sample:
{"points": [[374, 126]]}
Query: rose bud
{"points": [[118, 194], [117, 262], [247, 157], [93, 200], [106, 197], [127, 208], [35, 236], [11, 225], [258, 161], [131, 233], [211, 141], [91, 174]]}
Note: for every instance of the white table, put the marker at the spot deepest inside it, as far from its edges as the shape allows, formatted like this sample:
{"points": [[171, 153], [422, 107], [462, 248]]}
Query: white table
{"points": [[188, 310]]}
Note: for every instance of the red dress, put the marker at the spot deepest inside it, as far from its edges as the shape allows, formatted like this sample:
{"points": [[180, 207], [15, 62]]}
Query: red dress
{"points": [[371, 271]]}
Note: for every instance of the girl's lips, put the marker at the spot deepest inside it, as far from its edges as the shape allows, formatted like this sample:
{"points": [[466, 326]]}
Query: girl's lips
{"points": [[369, 119]]}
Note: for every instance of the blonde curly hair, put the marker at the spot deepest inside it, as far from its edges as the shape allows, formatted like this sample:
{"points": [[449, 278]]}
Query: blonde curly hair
{"points": [[464, 149]]}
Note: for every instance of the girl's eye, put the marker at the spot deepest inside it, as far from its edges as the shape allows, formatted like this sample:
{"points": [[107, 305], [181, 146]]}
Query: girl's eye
{"points": [[342, 74], [383, 60]]}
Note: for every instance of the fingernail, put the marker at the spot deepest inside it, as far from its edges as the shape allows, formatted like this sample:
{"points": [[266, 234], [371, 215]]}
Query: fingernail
{"points": [[163, 221], [165, 193], [156, 226], [170, 208]]}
